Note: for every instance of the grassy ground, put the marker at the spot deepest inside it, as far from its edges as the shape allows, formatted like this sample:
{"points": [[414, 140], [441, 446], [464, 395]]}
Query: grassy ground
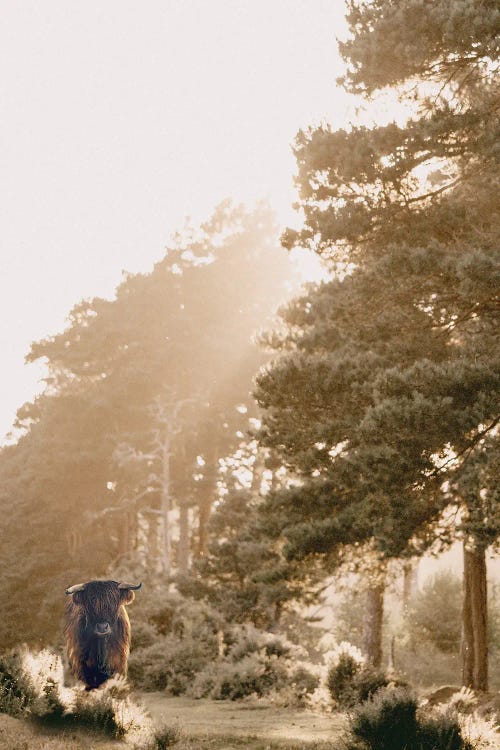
{"points": [[199, 718], [203, 725], [20, 734]]}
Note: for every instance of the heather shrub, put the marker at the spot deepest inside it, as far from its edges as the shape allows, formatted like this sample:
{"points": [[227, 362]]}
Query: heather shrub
{"points": [[187, 648], [44, 672], [170, 663], [441, 733], [172, 640], [303, 681], [386, 722], [350, 680], [301, 684], [144, 634], [260, 664], [254, 674], [32, 685], [257, 663], [16, 692], [244, 640], [367, 681], [96, 710], [340, 677], [166, 736], [390, 720]]}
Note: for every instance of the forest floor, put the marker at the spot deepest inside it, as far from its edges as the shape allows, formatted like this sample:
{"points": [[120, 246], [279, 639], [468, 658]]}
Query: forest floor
{"points": [[203, 725], [205, 718]]}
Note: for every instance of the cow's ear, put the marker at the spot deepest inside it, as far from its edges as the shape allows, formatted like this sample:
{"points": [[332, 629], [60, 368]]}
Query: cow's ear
{"points": [[127, 596], [77, 597]]}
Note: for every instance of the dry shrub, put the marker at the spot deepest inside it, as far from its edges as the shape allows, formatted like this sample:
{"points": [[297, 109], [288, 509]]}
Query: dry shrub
{"points": [[393, 720], [32, 685]]}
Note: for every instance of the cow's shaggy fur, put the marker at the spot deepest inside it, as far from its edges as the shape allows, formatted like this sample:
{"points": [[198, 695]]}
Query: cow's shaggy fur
{"points": [[95, 658]]}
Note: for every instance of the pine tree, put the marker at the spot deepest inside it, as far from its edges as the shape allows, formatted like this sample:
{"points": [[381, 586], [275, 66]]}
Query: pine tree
{"points": [[244, 575], [387, 380]]}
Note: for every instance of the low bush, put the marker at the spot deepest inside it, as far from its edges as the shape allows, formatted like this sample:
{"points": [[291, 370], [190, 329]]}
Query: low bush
{"points": [[367, 681], [391, 721], [244, 640], [386, 722], [258, 673], [172, 640], [96, 710], [170, 664], [254, 674], [144, 634], [32, 685], [303, 681], [441, 733], [166, 736], [350, 681], [340, 677], [16, 692], [189, 649]]}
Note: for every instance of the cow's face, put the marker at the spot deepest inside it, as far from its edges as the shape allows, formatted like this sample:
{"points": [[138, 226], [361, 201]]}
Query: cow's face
{"points": [[100, 604]]}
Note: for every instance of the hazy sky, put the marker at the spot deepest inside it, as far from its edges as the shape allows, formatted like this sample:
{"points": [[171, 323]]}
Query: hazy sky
{"points": [[120, 118]]}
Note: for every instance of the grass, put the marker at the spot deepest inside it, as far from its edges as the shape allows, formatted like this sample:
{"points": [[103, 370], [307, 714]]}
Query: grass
{"points": [[244, 719], [21, 734]]}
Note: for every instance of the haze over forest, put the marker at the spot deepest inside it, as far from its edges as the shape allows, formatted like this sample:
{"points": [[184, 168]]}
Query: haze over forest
{"points": [[114, 130], [250, 258]]}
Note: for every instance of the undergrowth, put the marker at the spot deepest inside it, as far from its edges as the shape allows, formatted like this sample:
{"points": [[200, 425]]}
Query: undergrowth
{"points": [[32, 686]]}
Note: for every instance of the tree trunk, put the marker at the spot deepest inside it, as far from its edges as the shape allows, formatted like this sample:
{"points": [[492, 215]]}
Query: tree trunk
{"points": [[142, 539], [409, 582], [391, 664], [183, 550], [165, 509], [372, 626], [474, 622], [124, 540], [205, 504], [204, 511], [155, 543]]}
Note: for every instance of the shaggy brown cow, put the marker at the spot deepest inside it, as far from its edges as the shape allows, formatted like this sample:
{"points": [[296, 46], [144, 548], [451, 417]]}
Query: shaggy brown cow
{"points": [[97, 630]]}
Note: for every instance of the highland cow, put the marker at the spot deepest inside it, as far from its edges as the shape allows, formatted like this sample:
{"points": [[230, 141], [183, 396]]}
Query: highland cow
{"points": [[97, 630]]}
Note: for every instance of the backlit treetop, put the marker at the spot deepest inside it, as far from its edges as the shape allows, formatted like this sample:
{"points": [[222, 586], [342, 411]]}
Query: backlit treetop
{"points": [[386, 378], [395, 182]]}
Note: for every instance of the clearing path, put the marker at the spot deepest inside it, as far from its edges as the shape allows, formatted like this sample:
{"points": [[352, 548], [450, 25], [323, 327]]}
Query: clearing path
{"points": [[199, 718]]}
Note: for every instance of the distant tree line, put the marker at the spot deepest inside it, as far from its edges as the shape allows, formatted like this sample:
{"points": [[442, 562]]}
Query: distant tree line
{"points": [[118, 459]]}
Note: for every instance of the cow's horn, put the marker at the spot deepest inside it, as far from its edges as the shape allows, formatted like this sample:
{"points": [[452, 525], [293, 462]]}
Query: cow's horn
{"points": [[132, 586], [75, 588]]}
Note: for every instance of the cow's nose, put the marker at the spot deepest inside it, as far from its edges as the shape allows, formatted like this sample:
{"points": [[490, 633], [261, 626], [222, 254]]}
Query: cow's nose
{"points": [[102, 628]]}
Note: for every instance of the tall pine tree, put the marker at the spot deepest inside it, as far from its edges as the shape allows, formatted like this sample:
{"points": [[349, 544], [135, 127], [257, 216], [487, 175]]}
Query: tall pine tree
{"points": [[384, 398]]}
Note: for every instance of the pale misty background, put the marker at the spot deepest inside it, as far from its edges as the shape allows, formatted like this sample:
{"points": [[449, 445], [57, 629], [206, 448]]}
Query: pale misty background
{"points": [[119, 120]]}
